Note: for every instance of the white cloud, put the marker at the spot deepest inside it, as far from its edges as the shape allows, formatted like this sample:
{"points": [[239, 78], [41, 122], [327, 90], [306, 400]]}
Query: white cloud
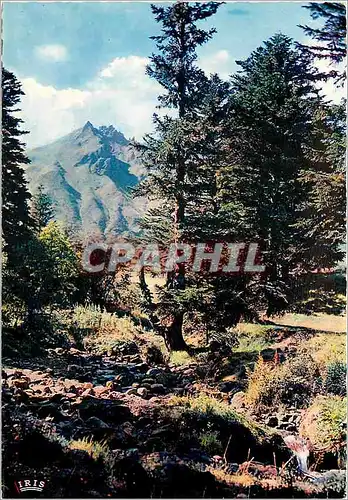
{"points": [[121, 95], [52, 53], [220, 62], [329, 90]]}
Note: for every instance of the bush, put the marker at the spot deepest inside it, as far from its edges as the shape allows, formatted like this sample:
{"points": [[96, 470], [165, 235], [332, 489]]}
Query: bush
{"points": [[324, 424], [180, 358], [210, 442], [96, 450], [335, 382], [291, 383]]}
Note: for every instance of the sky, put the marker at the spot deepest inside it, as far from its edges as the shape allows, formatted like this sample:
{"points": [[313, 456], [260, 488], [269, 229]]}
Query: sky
{"points": [[80, 62]]}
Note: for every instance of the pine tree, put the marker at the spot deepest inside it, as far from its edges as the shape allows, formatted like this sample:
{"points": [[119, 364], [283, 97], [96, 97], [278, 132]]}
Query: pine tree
{"points": [[42, 211], [332, 36], [167, 155], [323, 213], [272, 105], [15, 213]]}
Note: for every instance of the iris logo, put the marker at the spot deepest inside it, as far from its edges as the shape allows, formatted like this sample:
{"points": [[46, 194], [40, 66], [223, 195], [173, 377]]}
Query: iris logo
{"points": [[29, 485]]}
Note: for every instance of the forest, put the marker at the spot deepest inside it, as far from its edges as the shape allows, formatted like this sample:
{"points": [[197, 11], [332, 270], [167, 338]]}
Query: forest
{"points": [[130, 383]]}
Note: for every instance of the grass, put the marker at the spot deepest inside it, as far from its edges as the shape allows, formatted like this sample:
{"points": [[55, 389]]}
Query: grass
{"points": [[252, 337], [180, 358], [323, 423], [207, 406], [105, 329], [96, 450], [317, 321], [327, 348]]}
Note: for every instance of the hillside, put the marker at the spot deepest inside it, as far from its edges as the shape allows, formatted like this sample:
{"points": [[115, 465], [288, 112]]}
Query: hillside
{"points": [[89, 174]]}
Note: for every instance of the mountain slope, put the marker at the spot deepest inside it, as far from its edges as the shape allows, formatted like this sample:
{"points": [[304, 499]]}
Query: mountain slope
{"points": [[89, 174]]}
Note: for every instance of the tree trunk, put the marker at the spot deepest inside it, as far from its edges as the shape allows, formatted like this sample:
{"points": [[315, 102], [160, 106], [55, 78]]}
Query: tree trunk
{"points": [[173, 335]]}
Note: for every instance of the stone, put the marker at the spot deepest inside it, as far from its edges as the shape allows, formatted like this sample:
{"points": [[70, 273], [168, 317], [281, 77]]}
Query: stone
{"points": [[272, 421], [131, 391], [142, 391], [87, 392], [99, 389], [158, 389], [238, 400], [149, 381], [152, 372], [96, 423], [20, 383], [71, 395]]}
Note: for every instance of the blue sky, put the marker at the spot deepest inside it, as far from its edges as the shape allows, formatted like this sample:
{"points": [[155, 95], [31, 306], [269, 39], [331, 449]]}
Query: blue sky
{"points": [[85, 61]]}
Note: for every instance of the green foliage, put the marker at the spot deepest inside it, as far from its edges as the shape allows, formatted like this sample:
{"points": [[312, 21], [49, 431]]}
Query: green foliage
{"points": [[15, 213], [331, 37], [336, 378], [292, 383], [323, 423], [41, 209], [209, 440], [180, 358], [95, 449], [45, 273]]}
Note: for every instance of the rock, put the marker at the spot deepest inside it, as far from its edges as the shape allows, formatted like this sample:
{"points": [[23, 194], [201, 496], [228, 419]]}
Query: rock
{"points": [[112, 385], [142, 367], [136, 385], [147, 386], [272, 421], [131, 391], [158, 389], [238, 400], [106, 409], [149, 381], [20, 383], [179, 391], [87, 392], [142, 391], [96, 423], [152, 372], [155, 400], [71, 395], [99, 389], [268, 354]]}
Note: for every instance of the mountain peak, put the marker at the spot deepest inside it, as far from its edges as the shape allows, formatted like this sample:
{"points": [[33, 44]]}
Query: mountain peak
{"points": [[111, 133], [88, 126]]}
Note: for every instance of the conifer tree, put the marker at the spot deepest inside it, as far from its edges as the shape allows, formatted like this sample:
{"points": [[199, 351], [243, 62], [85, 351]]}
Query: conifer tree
{"points": [[15, 212], [168, 153], [272, 106], [42, 211], [331, 37]]}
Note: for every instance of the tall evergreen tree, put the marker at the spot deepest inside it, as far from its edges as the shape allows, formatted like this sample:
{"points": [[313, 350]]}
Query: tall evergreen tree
{"points": [[331, 37], [272, 105], [168, 154], [42, 211], [15, 212], [323, 213]]}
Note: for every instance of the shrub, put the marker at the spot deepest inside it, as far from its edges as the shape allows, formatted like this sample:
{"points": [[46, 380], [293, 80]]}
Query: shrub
{"points": [[210, 442], [290, 383], [335, 382], [96, 450], [324, 424], [327, 348], [180, 358]]}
